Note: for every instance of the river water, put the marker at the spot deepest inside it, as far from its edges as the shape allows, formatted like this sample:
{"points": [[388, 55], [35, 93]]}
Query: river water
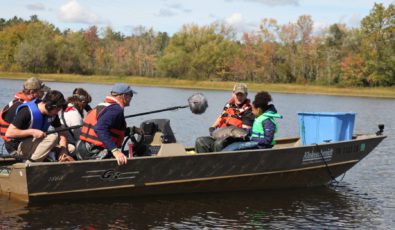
{"points": [[364, 199]]}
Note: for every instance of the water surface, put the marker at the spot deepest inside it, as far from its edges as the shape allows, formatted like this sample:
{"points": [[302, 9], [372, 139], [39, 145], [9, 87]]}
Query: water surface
{"points": [[364, 199]]}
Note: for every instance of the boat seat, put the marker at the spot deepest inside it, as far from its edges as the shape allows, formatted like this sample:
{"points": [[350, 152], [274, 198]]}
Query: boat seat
{"points": [[285, 143], [171, 149], [157, 140]]}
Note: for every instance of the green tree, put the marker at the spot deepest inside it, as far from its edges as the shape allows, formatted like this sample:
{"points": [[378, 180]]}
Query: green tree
{"points": [[379, 44], [10, 38], [36, 53], [72, 53], [198, 53]]}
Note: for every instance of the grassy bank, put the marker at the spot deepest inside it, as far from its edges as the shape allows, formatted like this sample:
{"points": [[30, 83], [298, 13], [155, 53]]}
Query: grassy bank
{"points": [[381, 92]]}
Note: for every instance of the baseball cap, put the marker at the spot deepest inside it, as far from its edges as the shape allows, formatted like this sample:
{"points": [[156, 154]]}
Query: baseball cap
{"points": [[121, 88], [240, 88], [33, 83]]}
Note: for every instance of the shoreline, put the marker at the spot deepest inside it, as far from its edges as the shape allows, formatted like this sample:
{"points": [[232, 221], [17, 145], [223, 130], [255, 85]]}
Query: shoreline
{"points": [[379, 92]]}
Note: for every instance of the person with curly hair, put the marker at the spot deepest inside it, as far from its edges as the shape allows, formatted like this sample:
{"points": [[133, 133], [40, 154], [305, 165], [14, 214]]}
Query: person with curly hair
{"points": [[264, 127]]}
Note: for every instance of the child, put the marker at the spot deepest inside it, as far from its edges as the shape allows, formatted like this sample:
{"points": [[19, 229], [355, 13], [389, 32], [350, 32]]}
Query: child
{"points": [[262, 133]]}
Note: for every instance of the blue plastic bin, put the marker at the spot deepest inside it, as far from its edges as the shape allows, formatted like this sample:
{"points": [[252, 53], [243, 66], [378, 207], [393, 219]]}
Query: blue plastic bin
{"points": [[315, 128]]}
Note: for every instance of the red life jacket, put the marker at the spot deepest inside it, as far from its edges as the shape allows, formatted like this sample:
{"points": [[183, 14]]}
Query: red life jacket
{"points": [[19, 98], [232, 114], [88, 133]]}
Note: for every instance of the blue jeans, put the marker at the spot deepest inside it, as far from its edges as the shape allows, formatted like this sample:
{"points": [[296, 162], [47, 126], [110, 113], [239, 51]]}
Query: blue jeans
{"points": [[241, 145]]}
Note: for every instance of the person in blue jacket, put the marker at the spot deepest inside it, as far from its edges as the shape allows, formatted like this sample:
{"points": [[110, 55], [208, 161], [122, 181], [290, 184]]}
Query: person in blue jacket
{"points": [[104, 127], [264, 127]]}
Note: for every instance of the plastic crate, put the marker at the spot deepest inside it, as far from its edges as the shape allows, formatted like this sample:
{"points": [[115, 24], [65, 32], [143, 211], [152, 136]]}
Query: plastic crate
{"points": [[319, 127]]}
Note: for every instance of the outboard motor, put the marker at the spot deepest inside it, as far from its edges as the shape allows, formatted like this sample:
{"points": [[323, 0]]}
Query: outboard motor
{"points": [[155, 127]]}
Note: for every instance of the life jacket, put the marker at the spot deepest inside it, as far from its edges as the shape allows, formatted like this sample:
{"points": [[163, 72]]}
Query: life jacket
{"points": [[232, 114], [88, 132], [258, 130], [19, 98], [38, 120]]}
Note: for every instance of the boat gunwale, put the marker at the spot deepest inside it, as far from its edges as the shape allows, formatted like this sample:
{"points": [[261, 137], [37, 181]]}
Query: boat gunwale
{"points": [[359, 137]]}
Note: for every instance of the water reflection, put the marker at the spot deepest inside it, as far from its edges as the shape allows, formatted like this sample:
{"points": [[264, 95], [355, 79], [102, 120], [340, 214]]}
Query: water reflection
{"points": [[307, 208]]}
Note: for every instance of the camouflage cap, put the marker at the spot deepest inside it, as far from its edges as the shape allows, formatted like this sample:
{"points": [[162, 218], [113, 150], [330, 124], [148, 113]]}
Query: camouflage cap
{"points": [[240, 88], [33, 83]]}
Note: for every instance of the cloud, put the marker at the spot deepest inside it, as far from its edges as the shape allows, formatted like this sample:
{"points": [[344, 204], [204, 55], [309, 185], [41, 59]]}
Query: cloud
{"points": [[234, 19], [176, 6], [166, 13], [36, 6], [74, 12], [237, 21], [272, 2], [173, 9]]}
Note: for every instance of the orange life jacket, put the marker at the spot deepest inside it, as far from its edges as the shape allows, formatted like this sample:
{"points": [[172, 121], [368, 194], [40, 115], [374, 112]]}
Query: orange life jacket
{"points": [[88, 133], [232, 114], [19, 97]]}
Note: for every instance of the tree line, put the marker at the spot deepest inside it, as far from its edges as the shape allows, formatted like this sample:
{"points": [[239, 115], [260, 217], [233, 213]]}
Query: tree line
{"points": [[288, 53]]}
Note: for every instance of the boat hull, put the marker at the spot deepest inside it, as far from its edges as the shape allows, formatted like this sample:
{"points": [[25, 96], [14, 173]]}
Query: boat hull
{"points": [[279, 168]]}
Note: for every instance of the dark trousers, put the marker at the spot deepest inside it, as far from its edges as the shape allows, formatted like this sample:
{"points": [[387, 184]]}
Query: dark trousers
{"points": [[208, 144], [87, 151]]}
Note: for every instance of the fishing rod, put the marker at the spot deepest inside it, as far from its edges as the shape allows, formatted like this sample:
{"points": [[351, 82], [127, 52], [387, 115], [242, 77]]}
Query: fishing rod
{"points": [[197, 103]]}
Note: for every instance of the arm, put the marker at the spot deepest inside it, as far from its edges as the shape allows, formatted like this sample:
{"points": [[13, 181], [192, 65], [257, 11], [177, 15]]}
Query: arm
{"points": [[108, 119], [216, 123], [269, 128], [19, 128], [64, 153], [14, 132], [218, 120], [57, 124]]}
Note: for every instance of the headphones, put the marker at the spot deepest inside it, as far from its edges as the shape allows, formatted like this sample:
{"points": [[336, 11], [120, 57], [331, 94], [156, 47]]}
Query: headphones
{"points": [[49, 105], [81, 97]]}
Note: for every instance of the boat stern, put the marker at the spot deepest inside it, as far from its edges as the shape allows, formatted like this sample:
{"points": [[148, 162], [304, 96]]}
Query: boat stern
{"points": [[13, 182]]}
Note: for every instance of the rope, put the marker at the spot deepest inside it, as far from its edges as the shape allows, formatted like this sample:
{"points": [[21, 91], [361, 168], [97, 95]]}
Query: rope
{"points": [[326, 165], [337, 182]]}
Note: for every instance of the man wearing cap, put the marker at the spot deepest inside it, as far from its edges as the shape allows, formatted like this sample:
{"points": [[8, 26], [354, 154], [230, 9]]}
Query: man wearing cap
{"points": [[237, 112], [32, 88], [104, 127]]}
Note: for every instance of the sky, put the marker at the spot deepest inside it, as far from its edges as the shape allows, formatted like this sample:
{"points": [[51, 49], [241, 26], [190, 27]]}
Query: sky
{"points": [[169, 15]]}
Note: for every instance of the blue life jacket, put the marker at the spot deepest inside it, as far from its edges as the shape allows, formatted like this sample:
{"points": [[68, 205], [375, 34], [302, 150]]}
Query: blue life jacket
{"points": [[38, 120]]}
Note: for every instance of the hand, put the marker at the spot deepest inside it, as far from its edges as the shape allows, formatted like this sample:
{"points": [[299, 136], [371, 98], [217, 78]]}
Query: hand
{"points": [[36, 133], [121, 158], [63, 157], [211, 130]]}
